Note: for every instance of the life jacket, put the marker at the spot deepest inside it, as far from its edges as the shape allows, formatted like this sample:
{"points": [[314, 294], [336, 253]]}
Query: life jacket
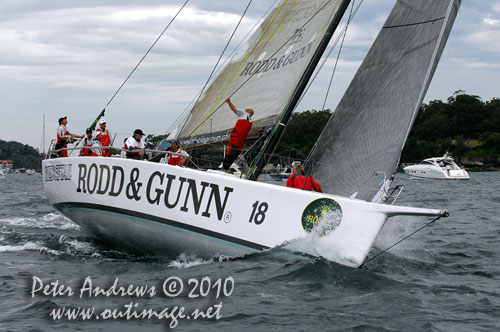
{"points": [[239, 133], [105, 141], [60, 138], [175, 159], [61, 143], [297, 180], [87, 151]]}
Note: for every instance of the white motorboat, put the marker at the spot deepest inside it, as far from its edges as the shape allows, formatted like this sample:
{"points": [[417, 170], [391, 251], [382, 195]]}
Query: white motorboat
{"points": [[2, 174], [156, 207], [437, 168]]}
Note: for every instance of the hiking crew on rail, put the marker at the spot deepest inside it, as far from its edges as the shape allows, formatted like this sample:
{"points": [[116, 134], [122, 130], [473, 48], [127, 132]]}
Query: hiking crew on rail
{"points": [[88, 142], [104, 137], [64, 137], [300, 181], [179, 157], [133, 145]]}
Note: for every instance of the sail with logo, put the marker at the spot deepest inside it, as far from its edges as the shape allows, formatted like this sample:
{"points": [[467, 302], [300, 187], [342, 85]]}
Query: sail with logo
{"points": [[264, 72]]}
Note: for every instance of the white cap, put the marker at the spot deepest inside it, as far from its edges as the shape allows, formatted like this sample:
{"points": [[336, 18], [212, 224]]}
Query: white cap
{"points": [[103, 120]]}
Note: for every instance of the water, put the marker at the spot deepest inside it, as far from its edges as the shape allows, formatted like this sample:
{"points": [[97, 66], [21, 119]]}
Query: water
{"points": [[444, 278]]}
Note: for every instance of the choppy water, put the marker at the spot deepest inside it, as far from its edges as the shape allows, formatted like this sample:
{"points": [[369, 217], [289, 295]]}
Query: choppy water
{"points": [[445, 278]]}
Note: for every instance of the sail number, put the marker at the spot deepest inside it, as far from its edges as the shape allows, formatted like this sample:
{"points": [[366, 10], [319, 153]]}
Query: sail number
{"points": [[258, 212]]}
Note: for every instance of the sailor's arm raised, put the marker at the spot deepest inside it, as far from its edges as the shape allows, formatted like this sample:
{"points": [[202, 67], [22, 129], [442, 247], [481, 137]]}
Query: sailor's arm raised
{"points": [[231, 106]]}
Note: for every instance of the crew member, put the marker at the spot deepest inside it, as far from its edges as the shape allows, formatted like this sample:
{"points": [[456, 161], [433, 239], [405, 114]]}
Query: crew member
{"points": [[64, 137], [88, 142], [297, 179], [180, 157], [134, 143], [239, 134], [104, 137]]}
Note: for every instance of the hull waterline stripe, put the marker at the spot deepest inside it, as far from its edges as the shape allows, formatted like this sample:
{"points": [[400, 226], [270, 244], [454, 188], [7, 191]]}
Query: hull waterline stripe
{"points": [[164, 221]]}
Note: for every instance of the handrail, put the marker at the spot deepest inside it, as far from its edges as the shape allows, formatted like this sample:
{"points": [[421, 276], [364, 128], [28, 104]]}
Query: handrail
{"points": [[112, 147], [388, 194]]}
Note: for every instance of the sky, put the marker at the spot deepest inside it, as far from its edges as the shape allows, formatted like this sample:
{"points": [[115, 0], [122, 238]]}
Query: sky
{"points": [[68, 58]]}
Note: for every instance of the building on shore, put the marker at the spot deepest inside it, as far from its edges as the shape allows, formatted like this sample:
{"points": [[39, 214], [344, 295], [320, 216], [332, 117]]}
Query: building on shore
{"points": [[7, 164]]}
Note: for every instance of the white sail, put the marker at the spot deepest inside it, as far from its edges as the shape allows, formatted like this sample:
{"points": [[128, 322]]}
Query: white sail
{"points": [[368, 130], [264, 72]]}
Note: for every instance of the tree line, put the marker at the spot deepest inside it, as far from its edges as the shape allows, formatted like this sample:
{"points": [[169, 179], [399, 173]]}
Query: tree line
{"points": [[463, 125], [23, 155]]}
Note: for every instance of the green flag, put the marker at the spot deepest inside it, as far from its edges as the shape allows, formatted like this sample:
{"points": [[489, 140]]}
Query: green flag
{"points": [[93, 125]]}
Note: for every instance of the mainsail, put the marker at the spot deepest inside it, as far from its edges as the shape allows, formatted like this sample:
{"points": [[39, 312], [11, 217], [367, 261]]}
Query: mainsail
{"points": [[264, 72], [368, 130]]}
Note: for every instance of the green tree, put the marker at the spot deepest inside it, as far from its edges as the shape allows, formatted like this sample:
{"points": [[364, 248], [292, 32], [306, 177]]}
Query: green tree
{"points": [[301, 133], [23, 155], [452, 126], [466, 115], [151, 140]]}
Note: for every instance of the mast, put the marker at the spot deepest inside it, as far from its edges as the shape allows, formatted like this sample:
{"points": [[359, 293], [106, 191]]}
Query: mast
{"points": [[268, 148], [43, 137]]}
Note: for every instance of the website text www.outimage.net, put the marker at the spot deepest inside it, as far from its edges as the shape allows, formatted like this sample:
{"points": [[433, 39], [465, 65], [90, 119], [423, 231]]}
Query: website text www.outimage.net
{"points": [[172, 287]]}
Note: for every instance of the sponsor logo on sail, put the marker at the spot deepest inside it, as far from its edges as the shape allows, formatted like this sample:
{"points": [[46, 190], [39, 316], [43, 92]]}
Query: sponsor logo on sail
{"points": [[275, 63], [322, 216]]}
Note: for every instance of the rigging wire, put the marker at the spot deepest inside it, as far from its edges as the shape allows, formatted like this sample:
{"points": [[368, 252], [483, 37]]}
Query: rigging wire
{"points": [[338, 56], [222, 66], [220, 57], [395, 244], [133, 70], [343, 34], [330, 52]]}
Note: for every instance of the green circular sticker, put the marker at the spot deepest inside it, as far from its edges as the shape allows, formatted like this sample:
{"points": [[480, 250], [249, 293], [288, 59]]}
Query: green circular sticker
{"points": [[325, 213]]}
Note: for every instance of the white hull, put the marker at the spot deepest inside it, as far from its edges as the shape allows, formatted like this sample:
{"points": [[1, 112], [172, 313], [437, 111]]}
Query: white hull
{"points": [[436, 174], [431, 169], [160, 208]]}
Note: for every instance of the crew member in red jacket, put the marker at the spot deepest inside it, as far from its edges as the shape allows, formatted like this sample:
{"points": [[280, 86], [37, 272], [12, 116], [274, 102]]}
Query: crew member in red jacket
{"points": [[104, 137], [239, 134], [297, 179], [64, 137], [180, 157], [88, 142]]}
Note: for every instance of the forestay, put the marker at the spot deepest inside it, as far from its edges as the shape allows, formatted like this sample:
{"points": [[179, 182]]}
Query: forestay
{"points": [[263, 73], [368, 130]]}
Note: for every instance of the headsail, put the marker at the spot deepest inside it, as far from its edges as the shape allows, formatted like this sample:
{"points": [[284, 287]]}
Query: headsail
{"points": [[368, 130], [264, 72]]}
